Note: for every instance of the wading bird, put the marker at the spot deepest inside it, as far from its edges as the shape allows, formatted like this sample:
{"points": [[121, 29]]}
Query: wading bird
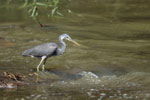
{"points": [[47, 50]]}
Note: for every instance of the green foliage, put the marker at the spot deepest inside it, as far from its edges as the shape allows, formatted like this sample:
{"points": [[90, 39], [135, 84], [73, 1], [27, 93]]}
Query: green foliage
{"points": [[52, 8], [34, 6], [52, 5]]}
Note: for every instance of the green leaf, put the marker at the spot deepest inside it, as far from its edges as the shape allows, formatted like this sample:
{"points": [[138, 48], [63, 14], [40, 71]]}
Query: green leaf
{"points": [[29, 11], [60, 14], [33, 12], [69, 11], [53, 11], [42, 4], [25, 3], [36, 14]]}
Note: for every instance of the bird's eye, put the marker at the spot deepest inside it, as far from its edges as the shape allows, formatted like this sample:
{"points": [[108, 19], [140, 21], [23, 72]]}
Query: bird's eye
{"points": [[67, 38]]}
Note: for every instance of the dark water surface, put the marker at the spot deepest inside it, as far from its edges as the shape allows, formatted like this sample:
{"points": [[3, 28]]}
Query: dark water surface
{"points": [[113, 61]]}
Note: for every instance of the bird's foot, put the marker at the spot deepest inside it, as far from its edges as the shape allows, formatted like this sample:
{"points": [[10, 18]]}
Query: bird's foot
{"points": [[38, 69], [43, 67]]}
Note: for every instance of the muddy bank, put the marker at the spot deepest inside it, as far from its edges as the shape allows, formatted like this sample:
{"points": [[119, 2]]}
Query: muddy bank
{"points": [[13, 80]]}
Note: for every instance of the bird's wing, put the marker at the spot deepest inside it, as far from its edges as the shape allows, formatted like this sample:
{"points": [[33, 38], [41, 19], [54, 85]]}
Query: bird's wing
{"points": [[46, 49]]}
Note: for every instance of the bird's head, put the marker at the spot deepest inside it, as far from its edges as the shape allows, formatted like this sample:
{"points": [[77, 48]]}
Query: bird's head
{"points": [[67, 37]]}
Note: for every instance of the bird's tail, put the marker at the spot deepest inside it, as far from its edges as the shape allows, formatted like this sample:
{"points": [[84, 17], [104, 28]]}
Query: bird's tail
{"points": [[26, 53]]}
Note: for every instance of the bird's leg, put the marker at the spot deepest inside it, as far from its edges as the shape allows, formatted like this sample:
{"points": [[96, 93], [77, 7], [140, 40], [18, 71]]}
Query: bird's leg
{"points": [[40, 63], [43, 67]]}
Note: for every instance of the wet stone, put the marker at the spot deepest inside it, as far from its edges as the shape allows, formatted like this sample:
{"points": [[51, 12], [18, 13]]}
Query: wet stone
{"points": [[11, 80]]}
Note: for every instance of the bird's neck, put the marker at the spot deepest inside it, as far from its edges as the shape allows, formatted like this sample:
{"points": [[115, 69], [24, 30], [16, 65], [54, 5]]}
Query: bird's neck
{"points": [[62, 45]]}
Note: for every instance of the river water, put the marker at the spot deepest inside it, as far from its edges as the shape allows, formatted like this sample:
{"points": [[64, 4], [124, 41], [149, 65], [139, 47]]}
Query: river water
{"points": [[112, 63]]}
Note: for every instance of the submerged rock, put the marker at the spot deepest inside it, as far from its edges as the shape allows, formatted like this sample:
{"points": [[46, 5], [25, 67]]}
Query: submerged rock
{"points": [[11, 80]]}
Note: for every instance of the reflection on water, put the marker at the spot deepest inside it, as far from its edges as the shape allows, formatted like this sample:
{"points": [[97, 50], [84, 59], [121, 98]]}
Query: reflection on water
{"points": [[112, 62]]}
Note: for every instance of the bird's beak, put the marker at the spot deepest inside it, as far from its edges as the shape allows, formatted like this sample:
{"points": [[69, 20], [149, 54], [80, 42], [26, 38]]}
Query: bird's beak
{"points": [[76, 43]]}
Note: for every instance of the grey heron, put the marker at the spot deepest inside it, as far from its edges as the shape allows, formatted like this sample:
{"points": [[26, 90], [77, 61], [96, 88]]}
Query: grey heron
{"points": [[47, 50]]}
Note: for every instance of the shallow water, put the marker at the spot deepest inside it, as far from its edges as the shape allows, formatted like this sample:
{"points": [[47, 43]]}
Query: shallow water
{"points": [[111, 63]]}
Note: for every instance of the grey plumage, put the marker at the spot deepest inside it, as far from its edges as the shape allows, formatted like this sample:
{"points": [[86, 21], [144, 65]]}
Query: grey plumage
{"points": [[46, 50]]}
